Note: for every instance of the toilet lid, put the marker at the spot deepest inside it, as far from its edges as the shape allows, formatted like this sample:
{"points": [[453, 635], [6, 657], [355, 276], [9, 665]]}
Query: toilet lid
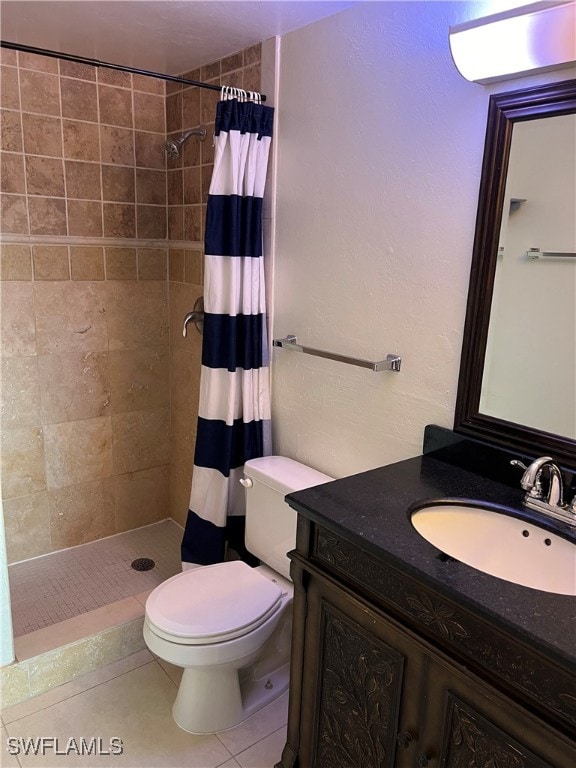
{"points": [[213, 603]]}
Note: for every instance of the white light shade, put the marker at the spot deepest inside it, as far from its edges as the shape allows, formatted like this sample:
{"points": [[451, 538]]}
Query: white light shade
{"points": [[523, 41]]}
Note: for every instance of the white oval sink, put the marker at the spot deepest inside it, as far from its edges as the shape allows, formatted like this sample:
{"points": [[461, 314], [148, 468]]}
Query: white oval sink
{"points": [[500, 545]]}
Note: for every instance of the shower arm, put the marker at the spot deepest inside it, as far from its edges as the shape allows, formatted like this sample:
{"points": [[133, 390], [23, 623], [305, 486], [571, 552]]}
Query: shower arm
{"points": [[174, 146], [201, 132]]}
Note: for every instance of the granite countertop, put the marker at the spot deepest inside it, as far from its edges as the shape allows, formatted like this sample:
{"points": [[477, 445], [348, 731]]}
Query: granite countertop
{"points": [[370, 510]]}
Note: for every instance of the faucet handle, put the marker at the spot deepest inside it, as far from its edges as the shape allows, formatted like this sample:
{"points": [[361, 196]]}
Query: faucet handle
{"points": [[551, 502], [532, 485]]}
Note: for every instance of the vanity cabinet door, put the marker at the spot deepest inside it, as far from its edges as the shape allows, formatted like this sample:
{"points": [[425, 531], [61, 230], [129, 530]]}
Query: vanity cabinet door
{"points": [[361, 686], [369, 692], [469, 725]]}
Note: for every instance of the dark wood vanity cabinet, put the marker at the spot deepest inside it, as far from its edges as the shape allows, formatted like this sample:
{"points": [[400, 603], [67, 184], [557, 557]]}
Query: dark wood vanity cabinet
{"points": [[369, 692]]}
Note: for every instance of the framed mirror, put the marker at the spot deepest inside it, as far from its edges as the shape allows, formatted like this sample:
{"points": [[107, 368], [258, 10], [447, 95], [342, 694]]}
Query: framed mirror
{"points": [[517, 385]]}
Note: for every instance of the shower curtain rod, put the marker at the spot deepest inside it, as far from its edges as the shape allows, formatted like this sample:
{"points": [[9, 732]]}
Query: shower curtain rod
{"points": [[108, 65]]}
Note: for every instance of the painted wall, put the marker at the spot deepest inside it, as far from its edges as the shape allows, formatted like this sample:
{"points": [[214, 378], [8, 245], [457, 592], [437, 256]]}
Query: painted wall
{"points": [[380, 144]]}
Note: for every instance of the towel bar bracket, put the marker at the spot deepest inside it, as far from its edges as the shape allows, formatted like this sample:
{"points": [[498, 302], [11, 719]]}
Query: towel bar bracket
{"points": [[391, 363]]}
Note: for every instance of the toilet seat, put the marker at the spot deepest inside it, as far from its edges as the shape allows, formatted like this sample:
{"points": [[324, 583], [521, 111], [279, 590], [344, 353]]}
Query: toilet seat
{"points": [[212, 604]]}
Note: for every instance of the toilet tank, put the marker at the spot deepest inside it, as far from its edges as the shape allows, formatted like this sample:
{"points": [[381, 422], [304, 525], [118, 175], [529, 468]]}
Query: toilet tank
{"points": [[270, 522]]}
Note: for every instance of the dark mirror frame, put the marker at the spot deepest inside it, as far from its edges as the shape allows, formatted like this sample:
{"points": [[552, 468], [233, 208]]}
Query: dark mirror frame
{"points": [[504, 110]]}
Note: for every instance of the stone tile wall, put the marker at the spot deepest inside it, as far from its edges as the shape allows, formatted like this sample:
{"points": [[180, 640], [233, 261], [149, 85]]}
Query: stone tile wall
{"points": [[85, 356], [99, 388], [85, 393], [81, 150]]}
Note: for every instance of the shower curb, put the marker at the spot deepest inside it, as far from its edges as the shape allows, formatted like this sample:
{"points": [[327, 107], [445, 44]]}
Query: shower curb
{"points": [[31, 677]]}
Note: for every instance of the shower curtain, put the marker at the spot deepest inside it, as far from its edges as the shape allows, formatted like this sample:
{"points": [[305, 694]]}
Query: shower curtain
{"points": [[234, 406]]}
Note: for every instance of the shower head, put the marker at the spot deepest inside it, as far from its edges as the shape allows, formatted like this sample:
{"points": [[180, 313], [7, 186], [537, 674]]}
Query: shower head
{"points": [[173, 147]]}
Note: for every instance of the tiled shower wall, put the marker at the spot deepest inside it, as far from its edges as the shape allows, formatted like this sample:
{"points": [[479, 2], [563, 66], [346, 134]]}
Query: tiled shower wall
{"points": [[85, 150], [99, 387], [85, 382]]}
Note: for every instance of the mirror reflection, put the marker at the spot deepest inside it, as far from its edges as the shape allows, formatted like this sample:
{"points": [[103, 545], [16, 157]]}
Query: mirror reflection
{"points": [[517, 385], [529, 372]]}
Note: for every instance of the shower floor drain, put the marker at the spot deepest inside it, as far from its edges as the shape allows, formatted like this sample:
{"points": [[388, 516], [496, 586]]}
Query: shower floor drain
{"points": [[143, 564]]}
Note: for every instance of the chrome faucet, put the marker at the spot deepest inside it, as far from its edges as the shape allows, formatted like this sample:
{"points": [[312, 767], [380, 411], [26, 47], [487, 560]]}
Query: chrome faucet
{"points": [[551, 502]]}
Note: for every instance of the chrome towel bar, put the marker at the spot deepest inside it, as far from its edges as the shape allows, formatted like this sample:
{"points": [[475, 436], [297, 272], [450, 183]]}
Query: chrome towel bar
{"points": [[536, 253], [392, 362]]}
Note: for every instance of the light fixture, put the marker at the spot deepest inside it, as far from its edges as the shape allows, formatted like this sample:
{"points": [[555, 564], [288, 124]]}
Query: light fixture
{"points": [[515, 43]]}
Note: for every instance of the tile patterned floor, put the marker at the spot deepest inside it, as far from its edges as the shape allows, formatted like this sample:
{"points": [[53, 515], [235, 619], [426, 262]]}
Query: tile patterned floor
{"points": [[58, 586], [131, 700]]}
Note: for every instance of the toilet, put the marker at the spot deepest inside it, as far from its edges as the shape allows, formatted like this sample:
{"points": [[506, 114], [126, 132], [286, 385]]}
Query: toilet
{"points": [[229, 625]]}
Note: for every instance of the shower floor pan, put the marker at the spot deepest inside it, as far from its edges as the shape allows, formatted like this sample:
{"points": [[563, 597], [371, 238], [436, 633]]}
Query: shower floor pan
{"points": [[80, 609], [59, 586]]}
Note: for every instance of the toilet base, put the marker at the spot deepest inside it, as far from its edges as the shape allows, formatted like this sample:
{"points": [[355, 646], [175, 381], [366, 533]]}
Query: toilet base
{"points": [[208, 702]]}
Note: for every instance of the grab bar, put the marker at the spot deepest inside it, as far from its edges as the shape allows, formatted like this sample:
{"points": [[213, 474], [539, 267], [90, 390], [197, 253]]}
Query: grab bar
{"points": [[392, 362]]}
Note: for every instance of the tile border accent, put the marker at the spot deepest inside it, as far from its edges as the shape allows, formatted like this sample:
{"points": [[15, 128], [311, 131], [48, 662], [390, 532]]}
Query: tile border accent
{"points": [[121, 242]]}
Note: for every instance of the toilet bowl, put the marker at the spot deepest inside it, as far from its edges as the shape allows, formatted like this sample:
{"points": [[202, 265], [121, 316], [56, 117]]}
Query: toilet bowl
{"points": [[229, 625], [214, 622]]}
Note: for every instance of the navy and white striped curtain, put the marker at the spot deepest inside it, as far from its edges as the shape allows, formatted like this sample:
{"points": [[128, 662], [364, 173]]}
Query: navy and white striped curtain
{"points": [[234, 406]]}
